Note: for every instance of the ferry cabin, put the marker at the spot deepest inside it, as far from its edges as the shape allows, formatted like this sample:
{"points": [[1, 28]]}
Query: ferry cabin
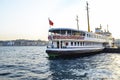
{"points": [[71, 38]]}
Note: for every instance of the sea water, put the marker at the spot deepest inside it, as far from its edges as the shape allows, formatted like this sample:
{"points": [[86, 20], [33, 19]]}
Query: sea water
{"points": [[32, 63]]}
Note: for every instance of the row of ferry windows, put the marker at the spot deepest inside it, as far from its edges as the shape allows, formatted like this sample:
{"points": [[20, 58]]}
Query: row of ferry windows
{"points": [[77, 43], [95, 36], [83, 43], [83, 34]]}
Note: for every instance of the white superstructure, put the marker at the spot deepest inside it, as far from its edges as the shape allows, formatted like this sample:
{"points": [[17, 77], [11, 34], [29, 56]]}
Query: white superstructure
{"points": [[66, 41]]}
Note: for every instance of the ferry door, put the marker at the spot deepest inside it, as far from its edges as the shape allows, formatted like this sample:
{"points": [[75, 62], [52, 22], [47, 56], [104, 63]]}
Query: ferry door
{"points": [[61, 44], [57, 44]]}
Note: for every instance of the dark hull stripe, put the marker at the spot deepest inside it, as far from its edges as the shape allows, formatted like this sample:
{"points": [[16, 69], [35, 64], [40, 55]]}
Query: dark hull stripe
{"points": [[71, 53]]}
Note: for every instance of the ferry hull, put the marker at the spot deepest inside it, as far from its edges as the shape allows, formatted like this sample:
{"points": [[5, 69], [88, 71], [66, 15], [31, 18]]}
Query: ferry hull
{"points": [[72, 53]]}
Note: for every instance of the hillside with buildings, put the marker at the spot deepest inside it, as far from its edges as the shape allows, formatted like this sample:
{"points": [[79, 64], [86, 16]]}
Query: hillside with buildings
{"points": [[23, 42]]}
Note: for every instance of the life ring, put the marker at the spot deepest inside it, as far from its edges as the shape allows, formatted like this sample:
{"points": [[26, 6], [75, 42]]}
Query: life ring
{"points": [[66, 43]]}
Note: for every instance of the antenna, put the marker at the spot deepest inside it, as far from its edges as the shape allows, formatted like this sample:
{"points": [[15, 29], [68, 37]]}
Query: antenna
{"points": [[77, 22], [88, 17], [107, 28], [100, 26]]}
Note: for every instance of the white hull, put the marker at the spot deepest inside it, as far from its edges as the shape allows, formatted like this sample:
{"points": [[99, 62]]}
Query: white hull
{"points": [[73, 51]]}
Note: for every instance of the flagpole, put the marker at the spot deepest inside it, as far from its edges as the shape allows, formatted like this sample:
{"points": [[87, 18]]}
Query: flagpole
{"points": [[88, 17], [49, 22], [77, 22], [49, 26]]}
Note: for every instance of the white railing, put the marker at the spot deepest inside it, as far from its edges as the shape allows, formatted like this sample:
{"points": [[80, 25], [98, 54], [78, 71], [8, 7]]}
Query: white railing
{"points": [[65, 37]]}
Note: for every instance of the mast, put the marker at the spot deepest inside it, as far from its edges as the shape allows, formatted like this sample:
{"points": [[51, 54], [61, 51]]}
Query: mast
{"points": [[107, 28], [77, 22], [88, 17]]}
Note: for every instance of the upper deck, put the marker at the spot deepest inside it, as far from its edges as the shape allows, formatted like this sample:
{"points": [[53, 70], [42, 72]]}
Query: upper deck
{"points": [[72, 34], [65, 33]]}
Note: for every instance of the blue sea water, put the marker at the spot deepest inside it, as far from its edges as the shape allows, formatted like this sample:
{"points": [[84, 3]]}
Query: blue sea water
{"points": [[32, 63]]}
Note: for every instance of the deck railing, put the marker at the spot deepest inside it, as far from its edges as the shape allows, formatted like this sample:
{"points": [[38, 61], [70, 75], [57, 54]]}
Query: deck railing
{"points": [[65, 37]]}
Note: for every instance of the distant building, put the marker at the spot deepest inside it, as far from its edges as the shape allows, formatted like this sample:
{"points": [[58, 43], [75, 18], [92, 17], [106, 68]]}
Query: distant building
{"points": [[10, 43], [31, 43], [23, 42], [1, 43]]}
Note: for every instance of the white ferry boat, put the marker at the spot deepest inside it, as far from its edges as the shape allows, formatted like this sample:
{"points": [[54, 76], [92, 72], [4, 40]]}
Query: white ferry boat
{"points": [[70, 42]]}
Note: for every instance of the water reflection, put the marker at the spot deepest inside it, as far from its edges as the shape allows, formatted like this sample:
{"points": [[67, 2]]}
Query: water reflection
{"points": [[98, 67]]}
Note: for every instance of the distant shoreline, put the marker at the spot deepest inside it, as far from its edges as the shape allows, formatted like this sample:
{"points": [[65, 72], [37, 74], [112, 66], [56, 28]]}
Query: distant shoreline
{"points": [[23, 42]]}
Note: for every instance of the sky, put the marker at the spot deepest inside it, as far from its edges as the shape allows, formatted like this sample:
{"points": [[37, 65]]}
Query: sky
{"points": [[28, 19]]}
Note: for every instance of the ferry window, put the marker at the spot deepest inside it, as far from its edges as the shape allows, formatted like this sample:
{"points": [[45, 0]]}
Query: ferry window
{"points": [[87, 43], [87, 35], [71, 43], [92, 36], [81, 43], [77, 33], [78, 43], [66, 32], [75, 43], [82, 34]]}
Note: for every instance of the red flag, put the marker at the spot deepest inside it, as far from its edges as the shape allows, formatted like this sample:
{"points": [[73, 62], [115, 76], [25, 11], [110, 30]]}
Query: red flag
{"points": [[50, 22]]}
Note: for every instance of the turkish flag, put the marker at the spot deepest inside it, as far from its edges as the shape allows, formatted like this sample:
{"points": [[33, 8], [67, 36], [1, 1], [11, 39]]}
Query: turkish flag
{"points": [[50, 22]]}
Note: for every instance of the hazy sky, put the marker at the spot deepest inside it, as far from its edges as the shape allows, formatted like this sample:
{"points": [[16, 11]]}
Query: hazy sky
{"points": [[28, 19]]}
